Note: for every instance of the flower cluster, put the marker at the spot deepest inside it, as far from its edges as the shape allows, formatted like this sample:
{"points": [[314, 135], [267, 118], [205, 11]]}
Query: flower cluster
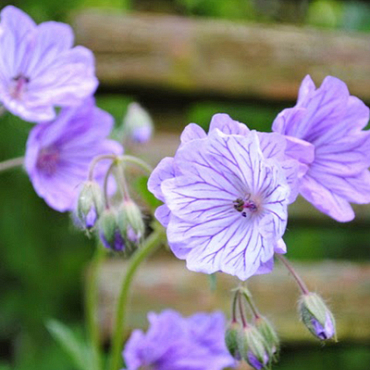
{"points": [[177, 343]]}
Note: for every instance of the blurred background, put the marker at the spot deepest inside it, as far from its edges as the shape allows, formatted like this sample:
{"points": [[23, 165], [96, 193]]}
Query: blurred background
{"points": [[183, 60]]}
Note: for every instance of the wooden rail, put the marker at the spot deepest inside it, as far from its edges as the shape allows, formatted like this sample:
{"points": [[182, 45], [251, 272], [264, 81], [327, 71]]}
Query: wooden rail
{"points": [[207, 57], [166, 283]]}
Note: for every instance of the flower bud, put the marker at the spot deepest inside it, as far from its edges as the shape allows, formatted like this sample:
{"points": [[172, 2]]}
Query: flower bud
{"points": [[253, 348], [268, 333], [90, 204], [130, 221], [138, 124], [231, 339], [316, 316], [109, 232]]}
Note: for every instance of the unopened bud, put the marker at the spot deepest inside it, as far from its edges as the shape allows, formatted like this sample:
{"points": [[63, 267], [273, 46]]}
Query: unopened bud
{"points": [[109, 232], [268, 333], [316, 316], [90, 204], [130, 221], [253, 348], [138, 124], [231, 339]]}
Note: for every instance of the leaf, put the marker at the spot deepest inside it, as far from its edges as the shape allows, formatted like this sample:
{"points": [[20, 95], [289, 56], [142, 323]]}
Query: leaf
{"points": [[141, 186], [75, 348]]}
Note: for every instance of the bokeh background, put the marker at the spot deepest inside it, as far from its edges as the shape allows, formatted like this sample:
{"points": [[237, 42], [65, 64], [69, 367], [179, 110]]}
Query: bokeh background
{"points": [[43, 257]]}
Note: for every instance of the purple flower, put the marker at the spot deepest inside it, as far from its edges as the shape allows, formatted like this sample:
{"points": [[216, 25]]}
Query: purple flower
{"points": [[226, 197], [39, 69], [176, 343], [331, 120], [255, 362], [58, 153]]}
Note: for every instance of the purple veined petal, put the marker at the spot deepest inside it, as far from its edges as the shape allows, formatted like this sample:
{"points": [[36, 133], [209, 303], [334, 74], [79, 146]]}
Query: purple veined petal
{"points": [[346, 157], [357, 115], [354, 189], [306, 89], [131, 352], [46, 47], [325, 200], [288, 121], [273, 145], [300, 150], [191, 196], [164, 170], [162, 214], [227, 125], [265, 267], [192, 132], [71, 77], [235, 247]]}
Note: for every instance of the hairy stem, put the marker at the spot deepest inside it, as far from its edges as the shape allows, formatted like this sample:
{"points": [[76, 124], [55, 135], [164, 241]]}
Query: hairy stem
{"points": [[96, 160], [105, 186], [91, 299], [138, 162], [11, 163], [145, 250], [301, 284], [248, 297]]}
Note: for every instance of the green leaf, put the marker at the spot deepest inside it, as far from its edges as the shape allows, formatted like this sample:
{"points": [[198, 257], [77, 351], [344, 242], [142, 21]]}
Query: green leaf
{"points": [[78, 351], [141, 186]]}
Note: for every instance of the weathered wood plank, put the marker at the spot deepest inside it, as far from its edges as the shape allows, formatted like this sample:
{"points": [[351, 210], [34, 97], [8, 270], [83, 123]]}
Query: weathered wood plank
{"points": [[165, 282], [218, 57]]}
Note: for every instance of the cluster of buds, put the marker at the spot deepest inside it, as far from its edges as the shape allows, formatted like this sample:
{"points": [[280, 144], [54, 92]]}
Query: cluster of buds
{"points": [[120, 225], [254, 341]]}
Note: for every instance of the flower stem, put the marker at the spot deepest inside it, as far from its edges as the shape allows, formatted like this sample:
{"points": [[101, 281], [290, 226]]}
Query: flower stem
{"points": [[121, 180], [91, 299], [145, 250], [241, 311], [233, 309], [301, 284], [138, 162], [248, 297], [105, 186], [96, 160], [11, 163]]}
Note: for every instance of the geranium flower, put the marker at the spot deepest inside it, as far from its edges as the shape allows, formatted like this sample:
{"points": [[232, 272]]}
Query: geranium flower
{"points": [[58, 153], [176, 343], [39, 69], [331, 120], [225, 199]]}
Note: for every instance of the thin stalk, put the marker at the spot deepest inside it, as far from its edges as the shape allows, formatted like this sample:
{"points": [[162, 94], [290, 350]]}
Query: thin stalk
{"points": [[241, 312], [248, 298], [11, 163], [96, 160], [233, 309], [91, 299], [301, 284], [138, 162], [145, 250], [121, 180], [105, 186]]}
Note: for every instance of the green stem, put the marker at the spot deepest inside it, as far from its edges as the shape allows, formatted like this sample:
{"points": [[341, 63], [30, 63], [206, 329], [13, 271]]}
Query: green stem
{"points": [[96, 160], [91, 299], [121, 312], [301, 284], [11, 163], [138, 162], [248, 297]]}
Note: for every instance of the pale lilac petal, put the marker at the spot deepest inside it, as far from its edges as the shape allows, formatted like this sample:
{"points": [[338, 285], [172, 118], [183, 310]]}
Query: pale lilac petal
{"points": [[192, 132], [227, 125], [306, 89], [280, 247], [300, 150], [164, 170], [326, 201], [162, 214]]}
